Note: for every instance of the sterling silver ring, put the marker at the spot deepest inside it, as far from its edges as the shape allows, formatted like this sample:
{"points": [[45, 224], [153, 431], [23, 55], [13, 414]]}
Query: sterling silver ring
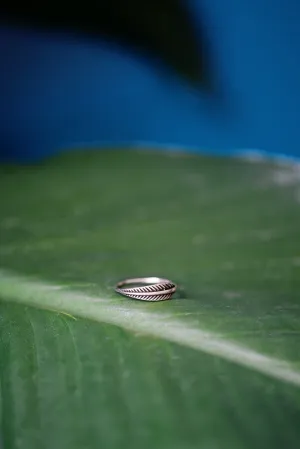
{"points": [[150, 289]]}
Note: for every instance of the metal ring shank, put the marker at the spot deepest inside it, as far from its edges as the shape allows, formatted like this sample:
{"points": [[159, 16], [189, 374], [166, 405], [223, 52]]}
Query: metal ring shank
{"points": [[144, 280], [154, 288]]}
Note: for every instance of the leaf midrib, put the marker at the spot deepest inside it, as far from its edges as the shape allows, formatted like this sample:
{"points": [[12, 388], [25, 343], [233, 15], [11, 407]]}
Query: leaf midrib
{"points": [[47, 296]]}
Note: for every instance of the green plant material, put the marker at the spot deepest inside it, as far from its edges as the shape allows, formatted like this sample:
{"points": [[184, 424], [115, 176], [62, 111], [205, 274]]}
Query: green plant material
{"points": [[216, 367]]}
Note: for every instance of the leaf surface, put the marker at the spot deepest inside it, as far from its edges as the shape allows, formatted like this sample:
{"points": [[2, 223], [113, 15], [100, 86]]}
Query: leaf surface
{"points": [[215, 367]]}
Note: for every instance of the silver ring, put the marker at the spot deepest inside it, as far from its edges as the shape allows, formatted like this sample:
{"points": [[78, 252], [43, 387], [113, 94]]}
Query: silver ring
{"points": [[152, 288]]}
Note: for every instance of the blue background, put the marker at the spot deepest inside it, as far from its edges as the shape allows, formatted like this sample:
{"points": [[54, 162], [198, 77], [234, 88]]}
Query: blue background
{"points": [[59, 91]]}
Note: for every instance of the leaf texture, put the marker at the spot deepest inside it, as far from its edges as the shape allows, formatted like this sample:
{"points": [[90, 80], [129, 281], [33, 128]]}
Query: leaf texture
{"points": [[216, 367]]}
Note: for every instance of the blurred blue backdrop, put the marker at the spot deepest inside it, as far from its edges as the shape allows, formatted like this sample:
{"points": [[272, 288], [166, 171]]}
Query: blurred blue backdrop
{"points": [[60, 92]]}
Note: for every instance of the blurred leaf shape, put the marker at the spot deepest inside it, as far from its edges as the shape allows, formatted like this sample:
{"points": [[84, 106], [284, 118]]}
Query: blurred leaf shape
{"points": [[161, 28]]}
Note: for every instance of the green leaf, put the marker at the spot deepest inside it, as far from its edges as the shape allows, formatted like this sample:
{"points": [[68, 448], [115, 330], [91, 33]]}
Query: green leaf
{"points": [[218, 366]]}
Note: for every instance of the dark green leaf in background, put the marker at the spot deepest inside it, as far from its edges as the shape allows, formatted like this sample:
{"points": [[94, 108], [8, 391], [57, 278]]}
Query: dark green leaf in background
{"points": [[218, 367]]}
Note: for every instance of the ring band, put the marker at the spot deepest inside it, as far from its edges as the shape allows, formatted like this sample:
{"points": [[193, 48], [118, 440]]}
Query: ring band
{"points": [[154, 288]]}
